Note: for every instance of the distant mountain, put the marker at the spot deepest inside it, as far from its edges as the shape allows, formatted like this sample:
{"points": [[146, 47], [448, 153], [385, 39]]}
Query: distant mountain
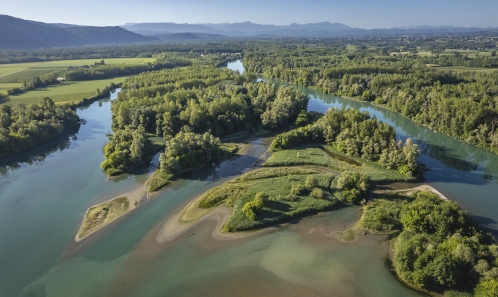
{"points": [[17, 33], [62, 25], [321, 29], [170, 27], [190, 37], [103, 35], [238, 29], [20, 34]]}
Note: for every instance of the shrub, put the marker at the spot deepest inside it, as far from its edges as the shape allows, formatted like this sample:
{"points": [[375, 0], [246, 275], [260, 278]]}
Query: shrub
{"points": [[317, 193], [311, 182], [297, 189], [248, 210]]}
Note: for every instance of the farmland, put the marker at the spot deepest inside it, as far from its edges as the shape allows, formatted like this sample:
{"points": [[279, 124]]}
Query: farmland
{"points": [[16, 73], [63, 92]]}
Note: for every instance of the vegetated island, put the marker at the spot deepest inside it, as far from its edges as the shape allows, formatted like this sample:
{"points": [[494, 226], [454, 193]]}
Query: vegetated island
{"points": [[189, 108], [436, 246]]}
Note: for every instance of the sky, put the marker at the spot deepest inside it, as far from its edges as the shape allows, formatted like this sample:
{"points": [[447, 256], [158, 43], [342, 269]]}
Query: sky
{"points": [[367, 14]]}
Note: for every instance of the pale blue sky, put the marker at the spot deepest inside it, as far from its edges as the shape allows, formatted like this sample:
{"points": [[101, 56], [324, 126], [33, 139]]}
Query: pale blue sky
{"points": [[355, 13]]}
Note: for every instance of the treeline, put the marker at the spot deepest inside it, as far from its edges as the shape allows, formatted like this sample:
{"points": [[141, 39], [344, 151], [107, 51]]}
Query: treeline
{"points": [[38, 82], [163, 61], [24, 126], [195, 100], [120, 51], [356, 134], [440, 248], [463, 105]]}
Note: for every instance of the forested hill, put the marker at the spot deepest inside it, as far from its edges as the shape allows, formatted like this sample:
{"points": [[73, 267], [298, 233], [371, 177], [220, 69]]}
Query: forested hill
{"points": [[17, 33]]}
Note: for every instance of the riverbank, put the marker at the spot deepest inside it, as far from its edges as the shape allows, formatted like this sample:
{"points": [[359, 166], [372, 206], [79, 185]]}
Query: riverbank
{"points": [[249, 155]]}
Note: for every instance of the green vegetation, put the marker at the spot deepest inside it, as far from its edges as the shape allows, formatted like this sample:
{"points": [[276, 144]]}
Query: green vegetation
{"points": [[191, 107], [327, 156], [440, 247], [259, 202], [187, 151], [158, 181], [357, 135], [103, 214], [393, 73], [24, 126], [64, 92], [352, 187]]}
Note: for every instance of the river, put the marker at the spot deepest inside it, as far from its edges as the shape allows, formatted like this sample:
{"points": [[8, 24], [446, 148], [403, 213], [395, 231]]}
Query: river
{"points": [[45, 192]]}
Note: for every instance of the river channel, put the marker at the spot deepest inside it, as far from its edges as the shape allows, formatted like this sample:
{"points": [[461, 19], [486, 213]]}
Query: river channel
{"points": [[45, 192]]}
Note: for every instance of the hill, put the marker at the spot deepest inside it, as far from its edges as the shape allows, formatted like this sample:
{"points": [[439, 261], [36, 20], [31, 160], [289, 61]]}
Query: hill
{"points": [[190, 37], [16, 33], [103, 35]]}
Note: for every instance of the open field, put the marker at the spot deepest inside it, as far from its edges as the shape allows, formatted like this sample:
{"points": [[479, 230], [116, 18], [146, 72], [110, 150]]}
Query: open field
{"points": [[282, 201], [327, 156], [63, 92], [16, 73], [4, 87]]}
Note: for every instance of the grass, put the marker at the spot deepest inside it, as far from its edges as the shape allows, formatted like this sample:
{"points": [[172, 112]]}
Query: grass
{"points": [[381, 215], [229, 149], [5, 86], [158, 181], [102, 215], [63, 92], [328, 156], [281, 204], [16, 73]]}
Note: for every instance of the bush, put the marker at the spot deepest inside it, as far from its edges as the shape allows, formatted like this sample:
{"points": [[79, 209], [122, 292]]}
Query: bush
{"points": [[317, 193], [297, 189], [113, 171], [311, 182]]}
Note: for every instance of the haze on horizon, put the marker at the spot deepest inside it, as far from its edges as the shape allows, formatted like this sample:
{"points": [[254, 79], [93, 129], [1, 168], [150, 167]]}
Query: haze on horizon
{"points": [[360, 14]]}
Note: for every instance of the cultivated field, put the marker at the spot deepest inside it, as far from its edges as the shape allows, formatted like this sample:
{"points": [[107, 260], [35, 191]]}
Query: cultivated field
{"points": [[16, 73], [64, 92]]}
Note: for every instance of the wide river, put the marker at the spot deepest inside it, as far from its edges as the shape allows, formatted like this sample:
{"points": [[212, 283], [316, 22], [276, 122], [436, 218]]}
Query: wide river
{"points": [[45, 192]]}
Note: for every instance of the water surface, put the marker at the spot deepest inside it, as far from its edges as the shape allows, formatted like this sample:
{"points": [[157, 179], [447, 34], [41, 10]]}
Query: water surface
{"points": [[45, 192]]}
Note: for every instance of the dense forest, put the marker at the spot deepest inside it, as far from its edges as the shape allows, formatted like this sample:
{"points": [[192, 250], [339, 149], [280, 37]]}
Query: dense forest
{"points": [[193, 101], [440, 248], [462, 104], [24, 126], [356, 134]]}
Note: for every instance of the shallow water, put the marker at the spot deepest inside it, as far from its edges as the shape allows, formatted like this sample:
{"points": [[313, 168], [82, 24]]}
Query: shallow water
{"points": [[44, 194]]}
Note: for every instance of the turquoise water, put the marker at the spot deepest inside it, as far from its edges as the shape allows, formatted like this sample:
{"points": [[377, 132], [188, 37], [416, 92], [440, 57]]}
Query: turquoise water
{"points": [[44, 194]]}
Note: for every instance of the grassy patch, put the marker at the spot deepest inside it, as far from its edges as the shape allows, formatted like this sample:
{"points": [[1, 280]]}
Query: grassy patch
{"points": [[64, 92], [327, 156], [158, 181], [274, 172], [382, 215], [103, 214], [228, 149], [16, 73], [282, 203]]}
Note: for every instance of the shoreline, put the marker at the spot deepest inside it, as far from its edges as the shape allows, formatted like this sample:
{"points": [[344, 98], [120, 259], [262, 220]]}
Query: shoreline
{"points": [[134, 198], [141, 193], [423, 187], [191, 216]]}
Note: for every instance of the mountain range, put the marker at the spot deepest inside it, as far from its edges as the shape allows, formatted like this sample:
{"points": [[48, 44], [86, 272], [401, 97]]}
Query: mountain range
{"points": [[16, 33]]}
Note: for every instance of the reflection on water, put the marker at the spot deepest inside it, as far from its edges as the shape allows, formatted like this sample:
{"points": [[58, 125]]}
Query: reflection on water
{"points": [[43, 201], [36, 156], [462, 172]]}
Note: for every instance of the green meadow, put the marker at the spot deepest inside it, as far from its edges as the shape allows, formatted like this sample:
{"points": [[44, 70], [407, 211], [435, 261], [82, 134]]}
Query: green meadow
{"points": [[68, 91], [328, 156], [16, 73]]}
